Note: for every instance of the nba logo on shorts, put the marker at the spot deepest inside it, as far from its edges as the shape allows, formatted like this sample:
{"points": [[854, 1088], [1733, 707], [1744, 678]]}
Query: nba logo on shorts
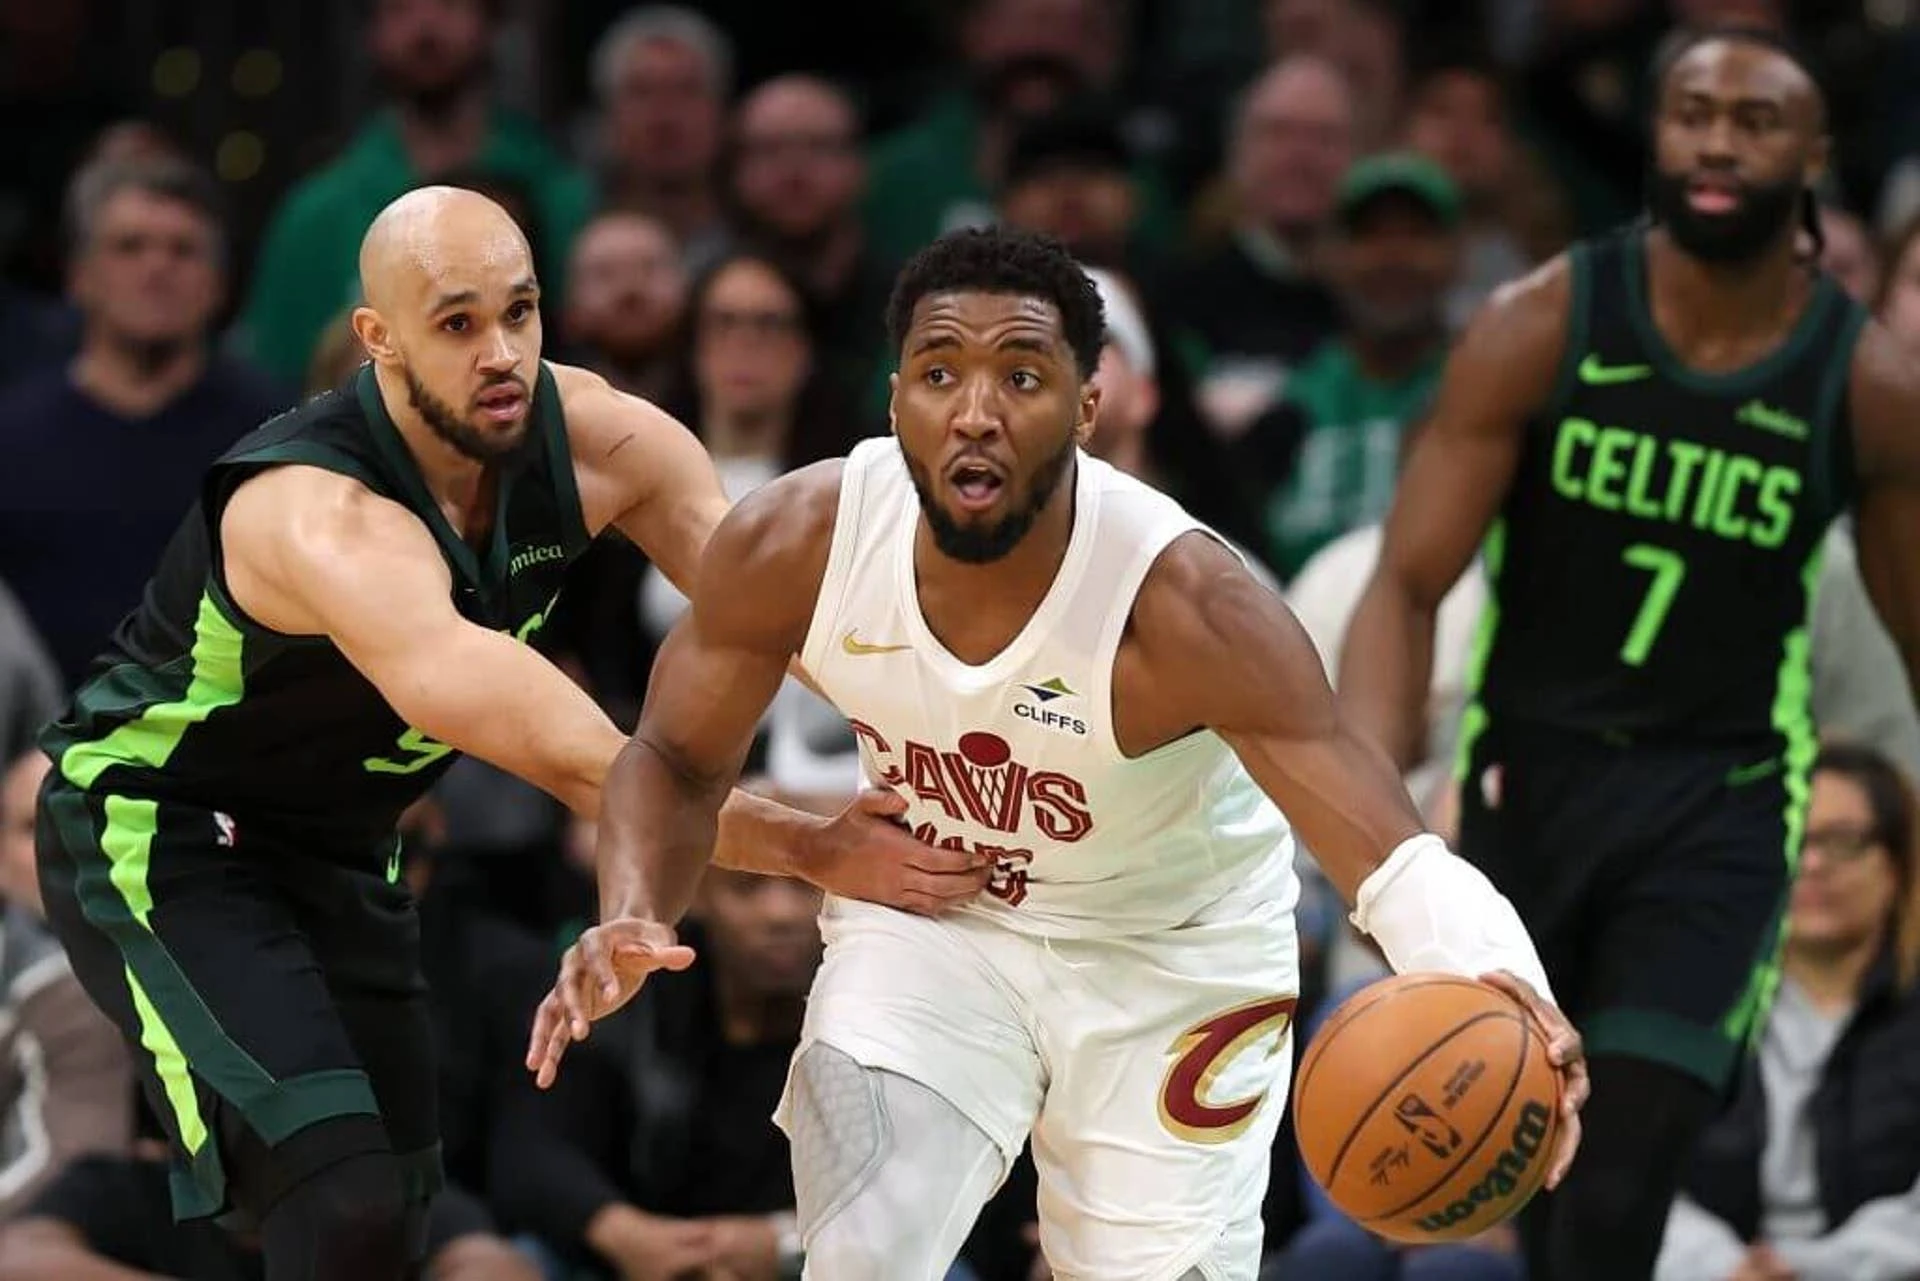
{"points": [[223, 829]]}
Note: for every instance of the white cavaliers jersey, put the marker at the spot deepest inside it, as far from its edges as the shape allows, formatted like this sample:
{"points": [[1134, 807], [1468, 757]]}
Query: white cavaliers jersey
{"points": [[1017, 758]]}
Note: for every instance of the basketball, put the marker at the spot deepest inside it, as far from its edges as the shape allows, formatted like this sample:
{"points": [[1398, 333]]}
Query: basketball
{"points": [[1427, 1108]]}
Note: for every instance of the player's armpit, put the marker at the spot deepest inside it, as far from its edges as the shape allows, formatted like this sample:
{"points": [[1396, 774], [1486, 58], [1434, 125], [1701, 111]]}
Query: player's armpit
{"points": [[1885, 399], [1211, 646], [641, 471], [316, 554], [1458, 469]]}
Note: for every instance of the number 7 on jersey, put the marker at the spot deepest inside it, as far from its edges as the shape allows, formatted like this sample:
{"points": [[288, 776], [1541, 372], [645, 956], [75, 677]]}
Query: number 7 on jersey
{"points": [[1669, 570]]}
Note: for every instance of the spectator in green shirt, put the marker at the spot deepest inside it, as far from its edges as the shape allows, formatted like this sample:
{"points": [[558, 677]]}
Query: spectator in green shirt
{"points": [[431, 56], [1327, 454]]}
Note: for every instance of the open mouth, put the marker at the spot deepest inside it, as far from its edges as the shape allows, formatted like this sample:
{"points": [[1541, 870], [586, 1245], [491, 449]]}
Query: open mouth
{"points": [[978, 484], [504, 404], [1711, 194]]}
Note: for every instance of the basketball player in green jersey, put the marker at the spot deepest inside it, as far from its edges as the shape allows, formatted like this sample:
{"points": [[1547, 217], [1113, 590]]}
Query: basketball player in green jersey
{"points": [[1650, 436], [343, 611]]}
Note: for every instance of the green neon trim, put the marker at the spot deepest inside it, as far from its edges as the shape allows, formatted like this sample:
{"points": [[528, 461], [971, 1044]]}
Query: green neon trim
{"points": [[171, 1067], [1473, 721], [216, 680]]}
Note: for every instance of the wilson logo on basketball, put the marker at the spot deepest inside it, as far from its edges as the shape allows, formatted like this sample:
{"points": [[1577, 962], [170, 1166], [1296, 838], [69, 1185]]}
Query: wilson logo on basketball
{"points": [[1504, 1177], [1206, 1051]]}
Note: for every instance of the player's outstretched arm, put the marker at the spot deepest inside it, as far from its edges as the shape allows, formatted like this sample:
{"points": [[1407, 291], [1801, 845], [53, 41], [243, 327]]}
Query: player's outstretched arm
{"points": [[714, 676], [1220, 651], [308, 552], [1456, 476], [1885, 398]]}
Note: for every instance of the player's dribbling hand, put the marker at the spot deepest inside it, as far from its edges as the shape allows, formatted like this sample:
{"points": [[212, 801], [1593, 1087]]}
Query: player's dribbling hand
{"points": [[1565, 1052], [600, 973], [866, 853]]}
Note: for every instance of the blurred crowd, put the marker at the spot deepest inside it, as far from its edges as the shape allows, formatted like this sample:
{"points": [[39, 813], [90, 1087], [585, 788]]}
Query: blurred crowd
{"points": [[1288, 205]]}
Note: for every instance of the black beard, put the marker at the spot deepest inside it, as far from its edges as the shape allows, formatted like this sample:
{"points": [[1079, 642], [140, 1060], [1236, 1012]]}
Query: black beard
{"points": [[974, 545], [1732, 239], [470, 441]]}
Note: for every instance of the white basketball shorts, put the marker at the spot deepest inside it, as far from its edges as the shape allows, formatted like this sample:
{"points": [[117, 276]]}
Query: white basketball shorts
{"points": [[1150, 1071]]}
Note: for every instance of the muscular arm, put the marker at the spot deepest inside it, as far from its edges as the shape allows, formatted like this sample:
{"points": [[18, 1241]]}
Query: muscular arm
{"points": [[1210, 647], [1885, 397], [641, 472], [714, 677], [1455, 480], [311, 553], [1250, 674]]}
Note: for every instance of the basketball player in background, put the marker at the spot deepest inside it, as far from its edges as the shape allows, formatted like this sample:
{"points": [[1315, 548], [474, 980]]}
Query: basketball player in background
{"points": [[1061, 670], [1651, 435], [349, 605]]}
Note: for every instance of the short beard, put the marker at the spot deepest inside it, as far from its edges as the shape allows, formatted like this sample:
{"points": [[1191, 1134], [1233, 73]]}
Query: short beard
{"points": [[973, 545], [470, 441], [1725, 240]]}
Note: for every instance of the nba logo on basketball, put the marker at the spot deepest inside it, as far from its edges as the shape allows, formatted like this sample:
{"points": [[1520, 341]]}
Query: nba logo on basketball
{"points": [[978, 782], [1425, 1124]]}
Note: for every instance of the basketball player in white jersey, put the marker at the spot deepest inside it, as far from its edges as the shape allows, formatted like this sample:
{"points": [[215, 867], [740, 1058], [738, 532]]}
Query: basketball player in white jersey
{"points": [[1060, 669]]}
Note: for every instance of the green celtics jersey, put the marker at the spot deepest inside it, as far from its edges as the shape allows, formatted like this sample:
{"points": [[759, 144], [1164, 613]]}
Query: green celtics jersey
{"points": [[194, 702], [1652, 570]]}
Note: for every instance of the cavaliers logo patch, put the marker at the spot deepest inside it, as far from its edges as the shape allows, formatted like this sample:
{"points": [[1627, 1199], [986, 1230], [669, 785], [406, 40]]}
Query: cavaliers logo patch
{"points": [[1203, 1053]]}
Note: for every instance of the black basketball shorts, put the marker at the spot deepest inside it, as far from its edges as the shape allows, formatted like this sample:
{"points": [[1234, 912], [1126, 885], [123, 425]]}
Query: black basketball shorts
{"points": [[260, 986], [1653, 878]]}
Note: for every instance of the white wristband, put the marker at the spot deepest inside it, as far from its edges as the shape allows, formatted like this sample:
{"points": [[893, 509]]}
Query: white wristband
{"points": [[1431, 910]]}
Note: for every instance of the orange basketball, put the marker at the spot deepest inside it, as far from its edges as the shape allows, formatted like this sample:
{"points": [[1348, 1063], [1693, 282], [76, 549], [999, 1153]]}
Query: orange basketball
{"points": [[1427, 1109]]}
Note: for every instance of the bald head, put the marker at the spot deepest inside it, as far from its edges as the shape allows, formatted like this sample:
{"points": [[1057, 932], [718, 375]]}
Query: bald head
{"points": [[431, 236], [452, 317]]}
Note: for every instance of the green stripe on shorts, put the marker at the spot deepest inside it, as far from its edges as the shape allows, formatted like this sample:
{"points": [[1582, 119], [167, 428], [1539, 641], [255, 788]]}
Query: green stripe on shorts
{"points": [[216, 679], [184, 1037], [1793, 722]]}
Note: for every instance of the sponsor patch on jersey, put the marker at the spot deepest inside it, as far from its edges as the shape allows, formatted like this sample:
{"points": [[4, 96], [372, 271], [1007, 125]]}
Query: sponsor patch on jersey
{"points": [[1039, 707]]}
